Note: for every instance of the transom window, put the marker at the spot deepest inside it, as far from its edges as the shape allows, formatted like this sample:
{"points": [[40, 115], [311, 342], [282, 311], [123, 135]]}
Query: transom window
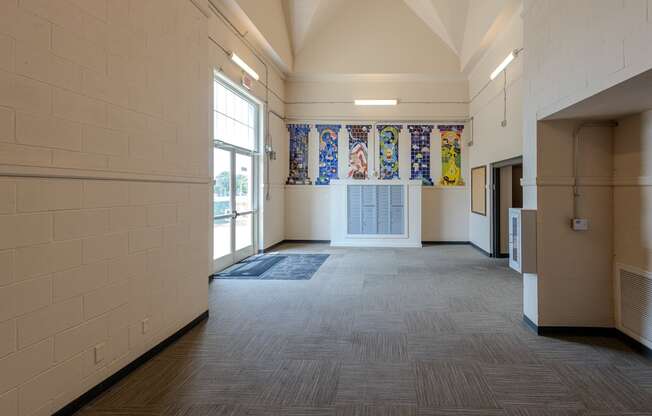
{"points": [[235, 118]]}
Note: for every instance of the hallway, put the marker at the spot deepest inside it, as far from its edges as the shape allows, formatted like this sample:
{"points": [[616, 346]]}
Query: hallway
{"points": [[432, 331]]}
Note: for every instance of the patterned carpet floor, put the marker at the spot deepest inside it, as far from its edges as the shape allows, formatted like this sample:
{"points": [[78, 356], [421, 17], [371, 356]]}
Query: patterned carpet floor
{"points": [[382, 332]]}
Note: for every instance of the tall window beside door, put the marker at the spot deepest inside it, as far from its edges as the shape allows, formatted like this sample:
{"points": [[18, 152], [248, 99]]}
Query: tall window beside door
{"points": [[235, 126]]}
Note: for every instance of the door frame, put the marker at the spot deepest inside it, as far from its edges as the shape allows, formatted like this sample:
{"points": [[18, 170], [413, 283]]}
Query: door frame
{"points": [[495, 203], [256, 211]]}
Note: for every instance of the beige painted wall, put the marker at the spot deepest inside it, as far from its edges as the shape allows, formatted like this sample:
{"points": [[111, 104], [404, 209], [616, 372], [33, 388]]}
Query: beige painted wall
{"points": [[632, 193], [575, 268], [568, 57]]}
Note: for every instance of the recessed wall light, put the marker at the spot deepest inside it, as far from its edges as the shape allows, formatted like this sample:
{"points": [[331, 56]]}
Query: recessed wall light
{"points": [[505, 63], [242, 64], [375, 102]]}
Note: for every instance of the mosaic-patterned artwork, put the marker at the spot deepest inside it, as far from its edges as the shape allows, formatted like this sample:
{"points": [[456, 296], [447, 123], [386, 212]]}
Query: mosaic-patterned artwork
{"points": [[298, 154], [388, 141], [327, 153], [420, 153], [358, 151], [451, 155]]}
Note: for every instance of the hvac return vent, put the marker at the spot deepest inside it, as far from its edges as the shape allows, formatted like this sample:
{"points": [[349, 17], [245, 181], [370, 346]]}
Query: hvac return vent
{"points": [[635, 299]]}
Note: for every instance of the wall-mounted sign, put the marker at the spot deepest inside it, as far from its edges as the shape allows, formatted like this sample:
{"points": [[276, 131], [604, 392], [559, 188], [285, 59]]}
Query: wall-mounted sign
{"points": [[247, 81]]}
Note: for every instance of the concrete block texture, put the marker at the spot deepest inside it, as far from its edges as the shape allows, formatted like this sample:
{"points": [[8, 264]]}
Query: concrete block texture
{"points": [[82, 136]]}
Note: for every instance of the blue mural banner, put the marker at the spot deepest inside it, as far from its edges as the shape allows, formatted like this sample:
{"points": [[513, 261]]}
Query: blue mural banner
{"points": [[420, 153], [327, 153], [298, 174], [388, 146]]}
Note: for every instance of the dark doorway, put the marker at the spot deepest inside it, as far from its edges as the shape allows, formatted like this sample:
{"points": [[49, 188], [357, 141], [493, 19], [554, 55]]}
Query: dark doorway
{"points": [[506, 193]]}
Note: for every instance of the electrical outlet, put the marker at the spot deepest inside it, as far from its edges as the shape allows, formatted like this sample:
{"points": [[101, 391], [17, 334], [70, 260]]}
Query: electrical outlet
{"points": [[145, 325], [580, 224], [99, 353]]}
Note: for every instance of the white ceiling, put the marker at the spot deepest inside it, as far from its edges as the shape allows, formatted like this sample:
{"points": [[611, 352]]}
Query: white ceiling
{"points": [[446, 18], [466, 27]]}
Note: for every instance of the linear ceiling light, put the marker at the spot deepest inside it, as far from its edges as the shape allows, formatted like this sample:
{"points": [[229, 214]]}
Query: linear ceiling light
{"points": [[375, 102], [500, 68], [242, 64]]}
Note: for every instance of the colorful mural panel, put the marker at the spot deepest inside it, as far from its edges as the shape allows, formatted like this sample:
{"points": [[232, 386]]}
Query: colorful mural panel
{"points": [[420, 153], [327, 153], [298, 154], [388, 144], [358, 151], [451, 155]]}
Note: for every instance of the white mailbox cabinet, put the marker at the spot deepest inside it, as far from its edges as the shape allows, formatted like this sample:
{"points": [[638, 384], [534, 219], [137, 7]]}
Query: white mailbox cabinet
{"points": [[523, 240], [375, 213]]}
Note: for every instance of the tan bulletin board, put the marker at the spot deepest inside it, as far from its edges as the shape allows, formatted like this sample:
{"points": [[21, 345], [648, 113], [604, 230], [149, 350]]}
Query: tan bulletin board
{"points": [[478, 190]]}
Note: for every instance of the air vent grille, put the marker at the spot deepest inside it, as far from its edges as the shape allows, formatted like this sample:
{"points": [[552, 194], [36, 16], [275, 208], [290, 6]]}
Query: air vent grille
{"points": [[636, 303]]}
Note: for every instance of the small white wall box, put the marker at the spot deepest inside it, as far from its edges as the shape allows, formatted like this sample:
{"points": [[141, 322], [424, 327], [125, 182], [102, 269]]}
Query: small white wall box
{"points": [[523, 240], [580, 224]]}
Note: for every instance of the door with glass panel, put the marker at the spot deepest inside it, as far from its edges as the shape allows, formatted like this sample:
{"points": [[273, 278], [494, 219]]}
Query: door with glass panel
{"points": [[235, 185]]}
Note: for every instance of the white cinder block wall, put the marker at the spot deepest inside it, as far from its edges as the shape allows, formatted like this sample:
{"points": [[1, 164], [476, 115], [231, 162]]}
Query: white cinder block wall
{"points": [[569, 57], [104, 189], [492, 142]]}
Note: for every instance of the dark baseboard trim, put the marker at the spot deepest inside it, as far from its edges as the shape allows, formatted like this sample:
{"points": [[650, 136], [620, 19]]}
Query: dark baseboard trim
{"points": [[94, 392], [445, 243], [307, 241], [280, 243], [481, 250], [502, 256], [272, 247], [425, 243], [571, 330], [635, 345], [584, 331], [588, 331]]}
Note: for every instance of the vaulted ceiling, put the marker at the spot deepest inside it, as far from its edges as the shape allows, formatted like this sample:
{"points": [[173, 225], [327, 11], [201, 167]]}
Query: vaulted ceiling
{"points": [[298, 30]]}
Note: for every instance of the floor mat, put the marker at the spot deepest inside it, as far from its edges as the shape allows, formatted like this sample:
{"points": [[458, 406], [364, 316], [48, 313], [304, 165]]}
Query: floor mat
{"points": [[251, 267], [289, 267]]}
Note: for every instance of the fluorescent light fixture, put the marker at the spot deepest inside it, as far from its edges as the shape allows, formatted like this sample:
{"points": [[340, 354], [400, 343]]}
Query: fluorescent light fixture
{"points": [[242, 64], [500, 68], [375, 102]]}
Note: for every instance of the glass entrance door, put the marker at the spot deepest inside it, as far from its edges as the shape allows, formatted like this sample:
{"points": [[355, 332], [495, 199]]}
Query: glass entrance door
{"points": [[234, 176], [233, 208]]}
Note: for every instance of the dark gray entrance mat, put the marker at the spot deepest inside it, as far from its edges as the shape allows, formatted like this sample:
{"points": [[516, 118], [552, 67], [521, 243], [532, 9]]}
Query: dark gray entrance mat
{"points": [[251, 267], [283, 267]]}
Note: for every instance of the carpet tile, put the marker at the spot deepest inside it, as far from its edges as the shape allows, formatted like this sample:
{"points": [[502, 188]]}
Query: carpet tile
{"points": [[436, 331]]}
